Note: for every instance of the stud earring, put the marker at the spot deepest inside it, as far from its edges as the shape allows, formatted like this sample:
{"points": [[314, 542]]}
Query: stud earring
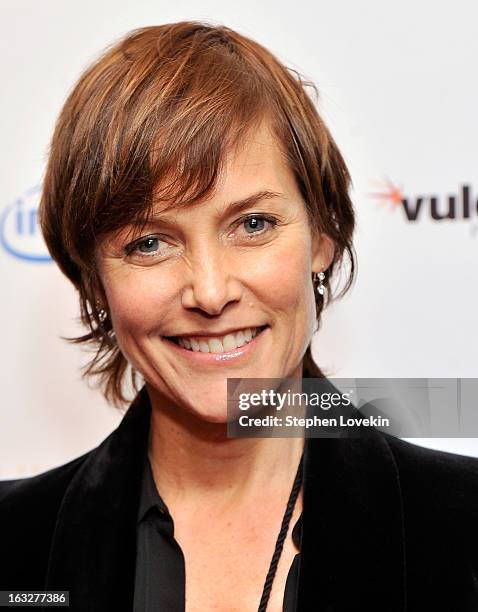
{"points": [[320, 276], [102, 315]]}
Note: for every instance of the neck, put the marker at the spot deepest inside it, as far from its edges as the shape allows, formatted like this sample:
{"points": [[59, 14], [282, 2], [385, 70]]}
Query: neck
{"points": [[194, 461]]}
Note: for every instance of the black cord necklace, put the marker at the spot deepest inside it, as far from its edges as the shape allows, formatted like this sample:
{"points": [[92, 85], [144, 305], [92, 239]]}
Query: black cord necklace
{"points": [[281, 538]]}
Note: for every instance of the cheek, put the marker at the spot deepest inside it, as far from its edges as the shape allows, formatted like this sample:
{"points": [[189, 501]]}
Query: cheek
{"points": [[288, 289], [283, 278], [135, 299]]}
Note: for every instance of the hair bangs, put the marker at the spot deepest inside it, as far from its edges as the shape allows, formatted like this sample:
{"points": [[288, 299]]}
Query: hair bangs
{"points": [[166, 144]]}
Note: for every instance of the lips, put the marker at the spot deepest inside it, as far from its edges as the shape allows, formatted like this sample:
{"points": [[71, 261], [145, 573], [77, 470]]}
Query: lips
{"points": [[217, 344]]}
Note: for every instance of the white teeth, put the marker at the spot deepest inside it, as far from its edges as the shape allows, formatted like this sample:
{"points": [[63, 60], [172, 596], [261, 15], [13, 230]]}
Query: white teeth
{"points": [[203, 346], [215, 346], [229, 342], [240, 339]]}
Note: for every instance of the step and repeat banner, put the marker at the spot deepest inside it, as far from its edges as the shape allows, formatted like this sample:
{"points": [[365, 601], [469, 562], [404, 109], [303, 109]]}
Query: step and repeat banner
{"points": [[398, 90]]}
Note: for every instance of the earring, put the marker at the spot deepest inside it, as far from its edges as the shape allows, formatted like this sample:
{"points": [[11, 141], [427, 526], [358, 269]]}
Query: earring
{"points": [[102, 315], [320, 276], [109, 335]]}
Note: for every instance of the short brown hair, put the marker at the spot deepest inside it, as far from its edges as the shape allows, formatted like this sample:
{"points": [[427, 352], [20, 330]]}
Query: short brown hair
{"points": [[152, 119]]}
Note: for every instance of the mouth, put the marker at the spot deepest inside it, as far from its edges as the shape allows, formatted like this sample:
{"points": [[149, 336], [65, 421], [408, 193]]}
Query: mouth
{"points": [[217, 344]]}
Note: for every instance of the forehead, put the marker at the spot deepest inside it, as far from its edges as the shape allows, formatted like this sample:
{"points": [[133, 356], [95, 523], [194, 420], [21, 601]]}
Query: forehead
{"points": [[258, 158], [257, 163]]}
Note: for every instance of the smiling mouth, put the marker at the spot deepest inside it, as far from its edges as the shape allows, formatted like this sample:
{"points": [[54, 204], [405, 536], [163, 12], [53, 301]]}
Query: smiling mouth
{"points": [[219, 344]]}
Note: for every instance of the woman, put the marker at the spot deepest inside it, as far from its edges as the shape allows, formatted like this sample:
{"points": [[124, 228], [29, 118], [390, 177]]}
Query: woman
{"points": [[200, 207]]}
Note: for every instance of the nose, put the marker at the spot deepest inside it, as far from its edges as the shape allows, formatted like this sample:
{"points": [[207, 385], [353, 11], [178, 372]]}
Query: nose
{"points": [[213, 284]]}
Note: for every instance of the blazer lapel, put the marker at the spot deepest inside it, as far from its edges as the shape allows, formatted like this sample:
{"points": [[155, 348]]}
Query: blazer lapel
{"points": [[352, 557], [94, 544]]}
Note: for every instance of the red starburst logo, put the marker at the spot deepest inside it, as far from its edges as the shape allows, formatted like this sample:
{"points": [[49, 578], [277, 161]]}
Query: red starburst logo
{"points": [[389, 194]]}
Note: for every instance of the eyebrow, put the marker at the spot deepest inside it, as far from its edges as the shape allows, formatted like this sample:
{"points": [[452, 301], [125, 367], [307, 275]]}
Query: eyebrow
{"points": [[251, 200], [232, 207]]}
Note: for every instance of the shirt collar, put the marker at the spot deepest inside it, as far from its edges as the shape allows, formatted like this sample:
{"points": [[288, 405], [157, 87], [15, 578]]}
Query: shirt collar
{"points": [[149, 495]]}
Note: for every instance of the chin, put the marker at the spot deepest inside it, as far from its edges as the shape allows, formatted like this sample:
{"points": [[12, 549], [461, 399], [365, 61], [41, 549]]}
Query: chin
{"points": [[206, 410], [210, 414]]}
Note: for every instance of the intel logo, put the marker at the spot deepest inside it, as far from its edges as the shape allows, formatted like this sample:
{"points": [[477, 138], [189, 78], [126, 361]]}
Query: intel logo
{"points": [[20, 234]]}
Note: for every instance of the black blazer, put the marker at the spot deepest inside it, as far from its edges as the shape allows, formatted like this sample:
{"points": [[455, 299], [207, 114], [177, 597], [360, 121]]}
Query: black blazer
{"points": [[387, 525]]}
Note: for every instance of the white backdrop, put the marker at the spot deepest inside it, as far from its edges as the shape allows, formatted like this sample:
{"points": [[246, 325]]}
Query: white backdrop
{"points": [[399, 92]]}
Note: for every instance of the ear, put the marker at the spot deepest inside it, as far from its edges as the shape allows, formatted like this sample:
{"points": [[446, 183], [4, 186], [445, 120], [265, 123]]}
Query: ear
{"points": [[323, 250]]}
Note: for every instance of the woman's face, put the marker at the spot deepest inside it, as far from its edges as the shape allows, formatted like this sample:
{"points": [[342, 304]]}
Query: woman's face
{"points": [[221, 288]]}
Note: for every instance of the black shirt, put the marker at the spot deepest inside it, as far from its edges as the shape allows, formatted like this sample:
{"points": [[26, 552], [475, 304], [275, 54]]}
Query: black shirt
{"points": [[160, 567]]}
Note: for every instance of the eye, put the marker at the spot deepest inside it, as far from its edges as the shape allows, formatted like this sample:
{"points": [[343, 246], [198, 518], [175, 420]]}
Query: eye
{"points": [[258, 224], [254, 223], [148, 245], [151, 245]]}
